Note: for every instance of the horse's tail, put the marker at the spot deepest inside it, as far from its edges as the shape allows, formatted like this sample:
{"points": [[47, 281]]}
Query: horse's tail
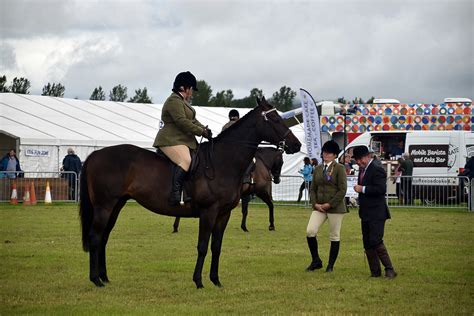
{"points": [[86, 210]]}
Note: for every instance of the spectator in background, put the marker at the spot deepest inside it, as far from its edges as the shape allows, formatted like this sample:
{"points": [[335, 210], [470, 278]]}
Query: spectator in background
{"points": [[397, 180], [406, 168], [306, 171], [398, 150], [72, 163], [233, 117], [314, 163], [11, 164], [469, 169], [348, 165]]}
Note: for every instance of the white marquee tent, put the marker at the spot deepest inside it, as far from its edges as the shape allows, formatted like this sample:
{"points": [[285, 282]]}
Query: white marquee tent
{"points": [[42, 128]]}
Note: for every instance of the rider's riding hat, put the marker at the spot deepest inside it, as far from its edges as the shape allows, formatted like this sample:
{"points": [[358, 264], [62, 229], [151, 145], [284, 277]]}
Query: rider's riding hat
{"points": [[185, 79]]}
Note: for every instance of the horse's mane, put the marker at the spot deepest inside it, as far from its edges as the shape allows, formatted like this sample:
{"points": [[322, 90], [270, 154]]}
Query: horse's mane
{"points": [[236, 124]]}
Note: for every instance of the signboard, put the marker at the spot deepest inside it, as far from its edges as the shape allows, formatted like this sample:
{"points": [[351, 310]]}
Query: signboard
{"points": [[351, 182], [312, 132], [37, 152], [429, 156], [470, 151]]}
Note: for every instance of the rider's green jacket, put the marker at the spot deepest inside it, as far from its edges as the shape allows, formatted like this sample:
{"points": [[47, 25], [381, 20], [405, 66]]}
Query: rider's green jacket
{"points": [[329, 187], [179, 125]]}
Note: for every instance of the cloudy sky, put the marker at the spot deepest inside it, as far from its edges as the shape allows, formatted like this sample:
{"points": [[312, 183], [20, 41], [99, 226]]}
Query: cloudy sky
{"points": [[415, 51]]}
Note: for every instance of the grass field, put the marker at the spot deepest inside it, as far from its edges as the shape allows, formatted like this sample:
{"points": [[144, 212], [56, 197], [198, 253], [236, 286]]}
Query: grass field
{"points": [[44, 270]]}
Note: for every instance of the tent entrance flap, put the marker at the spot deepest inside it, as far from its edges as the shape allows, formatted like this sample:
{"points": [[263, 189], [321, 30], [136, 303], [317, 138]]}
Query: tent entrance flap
{"points": [[7, 142]]}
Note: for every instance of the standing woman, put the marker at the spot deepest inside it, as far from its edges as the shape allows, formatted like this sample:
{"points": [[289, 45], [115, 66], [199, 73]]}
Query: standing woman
{"points": [[178, 129], [327, 193]]}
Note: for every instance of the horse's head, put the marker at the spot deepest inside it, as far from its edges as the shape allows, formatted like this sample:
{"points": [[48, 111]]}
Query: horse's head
{"points": [[271, 128], [277, 164]]}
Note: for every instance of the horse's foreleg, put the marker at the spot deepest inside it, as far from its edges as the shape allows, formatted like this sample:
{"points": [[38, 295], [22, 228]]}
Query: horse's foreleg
{"points": [[206, 223], [216, 245], [245, 211], [268, 200]]}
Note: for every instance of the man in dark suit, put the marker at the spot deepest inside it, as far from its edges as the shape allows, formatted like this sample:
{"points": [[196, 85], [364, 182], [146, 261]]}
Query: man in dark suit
{"points": [[373, 211]]}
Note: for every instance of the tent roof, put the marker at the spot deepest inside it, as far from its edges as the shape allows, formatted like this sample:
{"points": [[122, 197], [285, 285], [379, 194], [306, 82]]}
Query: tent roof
{"points": [[44, 120]]}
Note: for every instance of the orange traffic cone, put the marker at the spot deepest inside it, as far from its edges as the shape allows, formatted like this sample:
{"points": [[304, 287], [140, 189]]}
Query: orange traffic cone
{"points": [[26, 196], [14, 196], [32, 193], [47, 197]]}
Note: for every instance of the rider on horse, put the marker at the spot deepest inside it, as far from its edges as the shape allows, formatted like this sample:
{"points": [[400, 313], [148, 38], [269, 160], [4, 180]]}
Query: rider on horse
{"points": [[178, 129]]}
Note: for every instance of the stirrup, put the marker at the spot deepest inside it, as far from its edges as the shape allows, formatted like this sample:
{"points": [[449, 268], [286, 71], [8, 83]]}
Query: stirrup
{"points": [[184, 200]]}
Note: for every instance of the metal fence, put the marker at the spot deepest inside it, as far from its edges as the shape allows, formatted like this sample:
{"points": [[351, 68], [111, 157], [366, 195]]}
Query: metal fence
{"points": [[429, 191], [63, 186], [415, 191]]}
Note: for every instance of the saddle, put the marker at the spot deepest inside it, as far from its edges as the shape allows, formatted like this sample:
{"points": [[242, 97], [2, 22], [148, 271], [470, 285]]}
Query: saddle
{"points": [[194, 160], [248, 177]]}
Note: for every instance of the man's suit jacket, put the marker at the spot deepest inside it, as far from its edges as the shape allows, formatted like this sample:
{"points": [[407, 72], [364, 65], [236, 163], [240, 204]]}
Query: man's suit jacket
{"points": [[372, 203]]}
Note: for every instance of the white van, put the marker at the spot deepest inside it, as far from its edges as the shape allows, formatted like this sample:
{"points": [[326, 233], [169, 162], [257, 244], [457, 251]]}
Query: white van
{"points": [[436, 155]]}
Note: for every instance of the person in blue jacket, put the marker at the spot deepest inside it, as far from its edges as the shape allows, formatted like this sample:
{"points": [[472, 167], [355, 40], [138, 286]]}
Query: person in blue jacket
{"points": [[10, 163], [307, 172]]}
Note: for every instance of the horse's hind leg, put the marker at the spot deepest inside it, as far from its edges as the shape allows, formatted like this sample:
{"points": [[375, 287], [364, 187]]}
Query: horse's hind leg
{"points": [[216, 245], [96, 235], [268, 200], [176, 225], [110, 225], [245, 211]]}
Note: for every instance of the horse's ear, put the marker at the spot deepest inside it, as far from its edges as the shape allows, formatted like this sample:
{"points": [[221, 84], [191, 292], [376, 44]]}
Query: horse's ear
{"points": [[258, 100]]}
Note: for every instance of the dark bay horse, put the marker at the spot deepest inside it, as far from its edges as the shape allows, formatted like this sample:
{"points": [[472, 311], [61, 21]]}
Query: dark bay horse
{"points": [[268, 163], [113, 175], [267, 168]]}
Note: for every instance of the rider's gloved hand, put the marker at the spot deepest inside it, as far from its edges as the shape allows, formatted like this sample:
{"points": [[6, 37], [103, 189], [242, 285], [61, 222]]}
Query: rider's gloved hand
{"points": [[207, 133]]}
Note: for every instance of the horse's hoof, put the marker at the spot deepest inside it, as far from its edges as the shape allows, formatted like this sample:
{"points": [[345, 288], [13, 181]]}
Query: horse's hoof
{"points": [[217, 283], [244, 228], [97, 282], [198, 283], [174, 231], [105, 279], [271, 227]]}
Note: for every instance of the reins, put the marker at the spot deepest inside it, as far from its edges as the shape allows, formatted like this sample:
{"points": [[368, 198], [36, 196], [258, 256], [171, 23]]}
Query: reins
{"points": [[209, 169]]}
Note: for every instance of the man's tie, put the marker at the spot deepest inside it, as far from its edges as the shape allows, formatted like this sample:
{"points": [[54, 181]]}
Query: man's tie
{"points": [[362, 173], [325, 170]]}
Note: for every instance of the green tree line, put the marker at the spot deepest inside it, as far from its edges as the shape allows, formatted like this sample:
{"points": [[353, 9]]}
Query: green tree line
{"points": [[282, 99]]}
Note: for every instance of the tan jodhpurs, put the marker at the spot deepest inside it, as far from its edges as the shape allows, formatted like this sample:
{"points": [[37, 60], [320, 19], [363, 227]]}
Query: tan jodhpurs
{"points": [[179, 154], [318, 218]]}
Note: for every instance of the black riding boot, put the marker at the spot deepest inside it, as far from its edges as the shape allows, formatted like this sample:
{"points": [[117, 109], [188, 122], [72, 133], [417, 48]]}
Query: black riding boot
{"points": [[333, 252], [382, 253], [177, 185], [316, 262], [374, 263]]}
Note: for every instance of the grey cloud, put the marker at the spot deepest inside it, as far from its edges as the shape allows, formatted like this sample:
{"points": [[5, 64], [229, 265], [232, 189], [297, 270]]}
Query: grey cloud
{"points": [[417, 51], [7, 57]]}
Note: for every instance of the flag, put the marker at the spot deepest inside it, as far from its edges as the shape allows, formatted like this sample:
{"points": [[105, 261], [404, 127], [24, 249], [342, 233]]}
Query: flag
{"points": [[312, 129]]}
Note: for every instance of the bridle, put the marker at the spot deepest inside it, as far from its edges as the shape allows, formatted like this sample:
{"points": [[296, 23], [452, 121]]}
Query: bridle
{"points": [[282, 143], [209, 170]]}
